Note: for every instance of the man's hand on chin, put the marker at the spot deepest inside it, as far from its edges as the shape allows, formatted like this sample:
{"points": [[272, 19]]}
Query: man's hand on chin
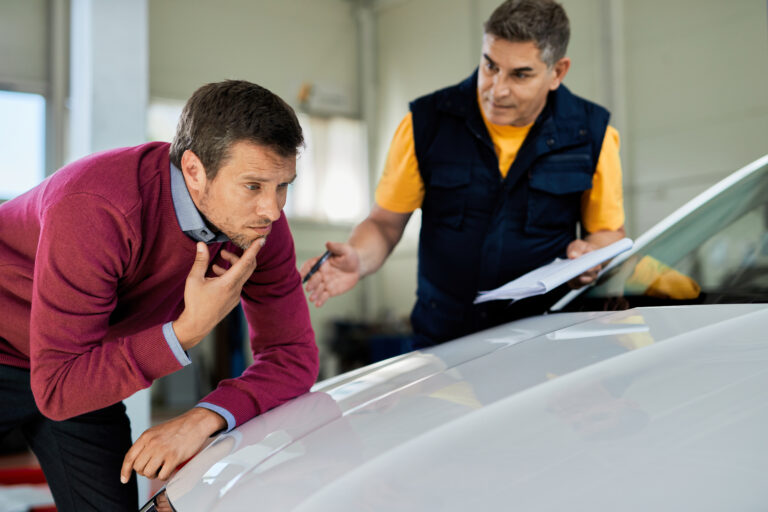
{"points": [[160, 449]]}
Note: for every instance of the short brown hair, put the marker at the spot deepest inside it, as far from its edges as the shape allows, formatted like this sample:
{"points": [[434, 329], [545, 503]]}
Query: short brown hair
{"points": [[542, 21], [223, 113]]}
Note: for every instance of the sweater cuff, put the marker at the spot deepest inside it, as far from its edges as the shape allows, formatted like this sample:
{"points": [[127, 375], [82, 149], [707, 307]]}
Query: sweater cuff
{"points": [[238, 404], [230, 419], [175, 345]]}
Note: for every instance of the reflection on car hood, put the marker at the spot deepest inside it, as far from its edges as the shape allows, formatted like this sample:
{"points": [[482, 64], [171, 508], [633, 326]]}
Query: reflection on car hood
{"points": [[645, 409]]}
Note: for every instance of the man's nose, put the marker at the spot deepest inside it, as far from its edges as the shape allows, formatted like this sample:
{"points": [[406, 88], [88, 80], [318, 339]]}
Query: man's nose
{"points": [[500, 86], [269, 207]]}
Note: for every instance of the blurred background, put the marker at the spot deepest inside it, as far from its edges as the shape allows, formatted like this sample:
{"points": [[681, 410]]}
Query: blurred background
{"points": [[685, 81]]}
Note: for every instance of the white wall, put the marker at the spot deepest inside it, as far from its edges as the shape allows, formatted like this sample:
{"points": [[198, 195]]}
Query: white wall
{"points": [[24, 45], [697, 103], [278, 44]]}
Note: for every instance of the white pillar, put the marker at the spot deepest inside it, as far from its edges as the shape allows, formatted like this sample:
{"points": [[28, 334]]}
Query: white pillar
{"points": [[614, 42], [109, 83], [367, 96], [109, 74]]}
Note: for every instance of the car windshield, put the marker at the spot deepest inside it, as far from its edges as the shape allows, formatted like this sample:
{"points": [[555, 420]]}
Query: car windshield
{"points": [[718, 253]]}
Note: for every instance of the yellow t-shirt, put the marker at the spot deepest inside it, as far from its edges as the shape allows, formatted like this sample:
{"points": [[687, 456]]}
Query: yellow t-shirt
{"points": [[401, 188]]}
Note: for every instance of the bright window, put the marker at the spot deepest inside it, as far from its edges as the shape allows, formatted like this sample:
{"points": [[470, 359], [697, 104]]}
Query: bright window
{"points": [[22, 142], [162, 118], [332, 175]]}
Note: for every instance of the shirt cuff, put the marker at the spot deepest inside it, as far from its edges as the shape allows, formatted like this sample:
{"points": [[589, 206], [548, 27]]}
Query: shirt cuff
{"points": [[221, 412], [175, 345]]}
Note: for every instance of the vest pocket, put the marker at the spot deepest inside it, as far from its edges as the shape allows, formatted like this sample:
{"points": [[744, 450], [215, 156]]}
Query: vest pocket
{"points": [[445, 197], [555, 188]]}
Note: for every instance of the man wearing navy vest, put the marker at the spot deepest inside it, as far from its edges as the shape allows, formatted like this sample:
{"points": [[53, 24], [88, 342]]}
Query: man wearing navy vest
{"points": [[507, 166]]}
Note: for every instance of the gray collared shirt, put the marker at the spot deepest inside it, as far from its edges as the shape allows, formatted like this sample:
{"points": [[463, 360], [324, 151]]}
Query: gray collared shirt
{"points": [[190, 220]]}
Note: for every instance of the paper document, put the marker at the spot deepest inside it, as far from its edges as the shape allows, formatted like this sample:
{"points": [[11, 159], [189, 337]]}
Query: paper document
{"points": [[548, 277]]}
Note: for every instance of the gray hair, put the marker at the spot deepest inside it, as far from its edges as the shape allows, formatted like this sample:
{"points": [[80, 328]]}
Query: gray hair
{"points": [[543, 22]]}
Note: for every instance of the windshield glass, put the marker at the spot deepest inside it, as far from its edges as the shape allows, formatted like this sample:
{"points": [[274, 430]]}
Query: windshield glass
{"points": [[716, 254]]}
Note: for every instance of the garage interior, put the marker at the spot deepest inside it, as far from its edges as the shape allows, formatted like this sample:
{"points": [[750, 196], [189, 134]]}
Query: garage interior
{"points": [[685, 81]]}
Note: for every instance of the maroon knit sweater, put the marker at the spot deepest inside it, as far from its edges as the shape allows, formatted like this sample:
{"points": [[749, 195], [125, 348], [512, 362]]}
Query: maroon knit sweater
{"points": [[93, 263]]}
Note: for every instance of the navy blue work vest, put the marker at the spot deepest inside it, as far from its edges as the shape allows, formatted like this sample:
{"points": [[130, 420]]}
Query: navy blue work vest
{"points": [[479, 231]]}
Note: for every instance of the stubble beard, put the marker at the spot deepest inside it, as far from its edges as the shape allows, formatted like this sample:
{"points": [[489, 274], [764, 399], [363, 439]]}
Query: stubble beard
{"points": [[242, 241]]}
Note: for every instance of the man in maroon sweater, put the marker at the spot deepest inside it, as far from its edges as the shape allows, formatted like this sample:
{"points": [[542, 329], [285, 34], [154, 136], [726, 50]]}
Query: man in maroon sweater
{"points": [[120, 262]]}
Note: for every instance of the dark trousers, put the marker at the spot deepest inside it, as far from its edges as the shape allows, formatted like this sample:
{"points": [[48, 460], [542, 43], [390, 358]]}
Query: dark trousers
{"points": [[81, 457]]}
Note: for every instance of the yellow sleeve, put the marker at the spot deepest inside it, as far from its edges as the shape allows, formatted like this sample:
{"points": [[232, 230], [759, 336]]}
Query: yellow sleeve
{"points": [[401, 188], [602, 207], [655, 279]]}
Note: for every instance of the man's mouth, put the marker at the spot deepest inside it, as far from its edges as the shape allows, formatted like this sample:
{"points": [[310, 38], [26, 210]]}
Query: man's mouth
{"points": [[500, 105], [261, 230]]}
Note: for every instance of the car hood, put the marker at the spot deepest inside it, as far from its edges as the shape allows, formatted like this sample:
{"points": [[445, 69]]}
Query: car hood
{"points": [[650, 408]]}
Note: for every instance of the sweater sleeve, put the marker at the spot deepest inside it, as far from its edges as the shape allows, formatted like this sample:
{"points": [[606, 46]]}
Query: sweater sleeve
{"points": [[85, 246], [285, 359]]}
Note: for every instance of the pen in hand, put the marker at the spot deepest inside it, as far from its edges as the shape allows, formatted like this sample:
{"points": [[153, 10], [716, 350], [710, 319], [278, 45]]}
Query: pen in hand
{"points": [[316, 266]]}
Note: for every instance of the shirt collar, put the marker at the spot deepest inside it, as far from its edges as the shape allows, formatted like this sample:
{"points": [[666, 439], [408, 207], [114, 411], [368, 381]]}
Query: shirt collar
{"points": [[190, 220]]}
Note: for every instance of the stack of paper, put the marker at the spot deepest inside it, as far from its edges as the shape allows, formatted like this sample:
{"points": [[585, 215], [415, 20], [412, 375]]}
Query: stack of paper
{"points": [[548, 277]]}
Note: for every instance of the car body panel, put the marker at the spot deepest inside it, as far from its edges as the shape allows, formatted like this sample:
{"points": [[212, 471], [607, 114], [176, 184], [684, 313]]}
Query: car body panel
{"points": [[577, 411]]}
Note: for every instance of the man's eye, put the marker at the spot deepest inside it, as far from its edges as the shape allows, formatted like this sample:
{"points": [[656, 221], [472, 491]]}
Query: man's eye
{"points": [[521, 75], [252, 187]]}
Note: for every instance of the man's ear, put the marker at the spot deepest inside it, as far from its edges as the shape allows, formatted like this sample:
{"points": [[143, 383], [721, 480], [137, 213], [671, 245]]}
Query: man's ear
{"points": [[560, 69], [194, 173]]}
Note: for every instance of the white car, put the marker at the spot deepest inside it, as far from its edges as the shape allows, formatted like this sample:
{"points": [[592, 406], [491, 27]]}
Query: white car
{"points": [[662, 406]]}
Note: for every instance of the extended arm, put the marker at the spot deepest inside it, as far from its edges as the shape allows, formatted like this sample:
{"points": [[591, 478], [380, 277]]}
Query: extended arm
{"points": [[368, 247]]}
